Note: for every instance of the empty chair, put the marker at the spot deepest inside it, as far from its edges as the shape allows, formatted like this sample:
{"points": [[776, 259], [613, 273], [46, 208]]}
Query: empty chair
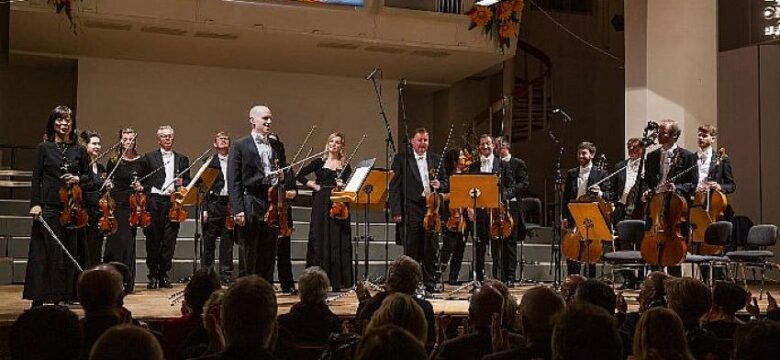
{"points": [[759, 238], [630, 232], [718, 234]]}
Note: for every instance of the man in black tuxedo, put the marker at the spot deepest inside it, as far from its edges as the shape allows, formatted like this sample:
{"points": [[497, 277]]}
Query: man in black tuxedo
{"points": [[490, 164], [579, 182], [626, 179], [519, 173], [408, 188], [250, 175], [215, 211], [161, 234], [714, 170]]}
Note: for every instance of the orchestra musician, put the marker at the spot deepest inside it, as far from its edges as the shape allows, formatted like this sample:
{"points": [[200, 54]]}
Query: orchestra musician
{"points": [[91, 239], [625, 180], [250, 175], [454, 243], [162, 233], [283, 243], [489, 163], [60, 161], [714, 170], [215, 213], [519, 172], [408, 189], [579, 182]]}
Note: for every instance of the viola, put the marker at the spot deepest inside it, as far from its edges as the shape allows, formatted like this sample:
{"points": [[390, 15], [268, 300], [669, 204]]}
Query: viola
{"points": [[107, 222], [73, 214], [277, 214], [501, 224], [138, 214]]}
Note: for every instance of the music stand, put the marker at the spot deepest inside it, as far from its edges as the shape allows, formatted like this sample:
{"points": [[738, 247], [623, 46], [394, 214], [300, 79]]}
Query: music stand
{"points": [[476, 191], [195, 197], [590, 222]]}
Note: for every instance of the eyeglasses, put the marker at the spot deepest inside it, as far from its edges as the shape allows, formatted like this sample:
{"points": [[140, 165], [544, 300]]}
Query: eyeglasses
{"points": [[63, 120]]}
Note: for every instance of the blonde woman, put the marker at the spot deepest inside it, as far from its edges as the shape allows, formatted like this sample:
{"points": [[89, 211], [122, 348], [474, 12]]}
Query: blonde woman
{"points": [[660, 336], [401, 310], [329, 239]]}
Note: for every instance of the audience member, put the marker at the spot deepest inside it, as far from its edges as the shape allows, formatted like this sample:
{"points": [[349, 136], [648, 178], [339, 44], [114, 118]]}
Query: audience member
{"points": [[208, 338], [536, 311], [569, 287], [248, 320], [757, 340], [509, 320], [584, 331], [597, 293], [202, 284], [127, 342], [727, 299], [45, 333], [691, 299], [310, 322], [100, 292], [660, 336], [652, 294], [401, 310], [390, 342]]}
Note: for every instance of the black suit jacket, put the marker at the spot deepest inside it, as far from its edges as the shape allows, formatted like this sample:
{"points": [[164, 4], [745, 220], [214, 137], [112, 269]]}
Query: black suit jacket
{"points": [[721, 173], [519, 175], [570, 188], [219, 181], [153, 160], [685, 184], [247, 183], [414, 187], [507, 179]]}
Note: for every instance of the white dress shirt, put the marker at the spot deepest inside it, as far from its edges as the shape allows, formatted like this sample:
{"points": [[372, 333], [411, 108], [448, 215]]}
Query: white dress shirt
{"points": [[705, 162], [486, 163], [582, 179], [167, 159], [265, 151], [422, 166], [631, 174], [223, 161], [666, 162]]}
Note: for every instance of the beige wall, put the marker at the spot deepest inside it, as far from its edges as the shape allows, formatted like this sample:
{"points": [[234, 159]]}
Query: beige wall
{"points": [[769, 90], [198, 101]]}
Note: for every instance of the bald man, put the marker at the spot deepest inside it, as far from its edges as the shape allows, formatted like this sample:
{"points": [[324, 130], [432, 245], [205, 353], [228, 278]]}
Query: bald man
{"points": [[249, 176]]}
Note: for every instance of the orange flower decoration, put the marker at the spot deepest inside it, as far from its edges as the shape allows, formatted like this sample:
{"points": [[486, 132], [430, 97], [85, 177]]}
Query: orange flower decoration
{"points": [[519, 5], [480, 15], [504, 10], [507, 29]]}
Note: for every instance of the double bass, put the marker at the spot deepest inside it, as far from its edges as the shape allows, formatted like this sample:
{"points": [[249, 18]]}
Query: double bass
{"points": [[708, 207]]}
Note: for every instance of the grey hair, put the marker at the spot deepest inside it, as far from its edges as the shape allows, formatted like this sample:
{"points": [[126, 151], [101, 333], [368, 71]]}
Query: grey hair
{"points": [[163, 128], [313, 285]]}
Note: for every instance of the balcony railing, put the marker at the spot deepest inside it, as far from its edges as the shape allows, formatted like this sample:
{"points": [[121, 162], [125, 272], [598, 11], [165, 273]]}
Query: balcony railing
{"points": [[441, 6]]}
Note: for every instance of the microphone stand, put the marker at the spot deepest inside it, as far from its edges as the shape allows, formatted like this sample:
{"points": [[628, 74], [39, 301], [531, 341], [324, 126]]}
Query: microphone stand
{"points": [[389, 149], [555, 249]]}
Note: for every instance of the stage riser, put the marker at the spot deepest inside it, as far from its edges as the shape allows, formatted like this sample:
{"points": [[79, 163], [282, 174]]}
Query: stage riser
{"points": [[183, 268]]}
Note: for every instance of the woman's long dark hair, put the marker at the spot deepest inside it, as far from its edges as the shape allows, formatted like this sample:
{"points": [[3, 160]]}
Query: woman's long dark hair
{"points": [[59, 112]]}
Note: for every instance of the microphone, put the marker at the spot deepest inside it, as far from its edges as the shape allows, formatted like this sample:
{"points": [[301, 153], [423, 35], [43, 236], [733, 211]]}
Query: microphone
{"points": [[371, 75], [401, 85], [555, 139], [566, 117]]}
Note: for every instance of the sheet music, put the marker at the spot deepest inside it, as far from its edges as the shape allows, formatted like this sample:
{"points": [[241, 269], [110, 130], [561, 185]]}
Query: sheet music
{"points": [[359, 175]]}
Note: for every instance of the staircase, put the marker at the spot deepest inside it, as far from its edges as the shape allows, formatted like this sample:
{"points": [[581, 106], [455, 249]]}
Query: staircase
{"points": [[532, 98]]}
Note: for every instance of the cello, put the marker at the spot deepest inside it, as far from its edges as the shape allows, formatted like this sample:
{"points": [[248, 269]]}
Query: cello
{"points": [[708, 207], [574, 245]]}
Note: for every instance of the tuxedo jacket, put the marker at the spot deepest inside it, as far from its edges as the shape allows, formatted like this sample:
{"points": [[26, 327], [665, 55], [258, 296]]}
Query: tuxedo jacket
{"points": [[408, 175], [519, 173], [685, 184], [153, 160], [247, 183], [570, 188], [506, 177], [721, 173]]}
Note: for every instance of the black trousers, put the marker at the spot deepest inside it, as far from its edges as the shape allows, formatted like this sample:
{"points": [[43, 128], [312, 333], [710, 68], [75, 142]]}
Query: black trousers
{"points": [[452, 251], [216, 207], [284, 263], [160, 237], [257, 249], [422, 247]]}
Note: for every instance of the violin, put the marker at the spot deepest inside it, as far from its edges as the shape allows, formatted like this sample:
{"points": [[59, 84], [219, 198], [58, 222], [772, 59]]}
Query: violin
{"points": [[432, 218], [663, 243], [501, 223], [230, 220], [138, 214], [708, 207], [73, 214], [177, 212], [457, 222], [339, 209], [107, 222], [277, 214]]}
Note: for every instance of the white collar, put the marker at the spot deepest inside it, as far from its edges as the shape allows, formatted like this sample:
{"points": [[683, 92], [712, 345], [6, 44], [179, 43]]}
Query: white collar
{"points": [[673, 148], [489, 158], [707, 153], [259, 137], [586, 168], [166, 152], [507, 158], [420, 156], [222, 157]]}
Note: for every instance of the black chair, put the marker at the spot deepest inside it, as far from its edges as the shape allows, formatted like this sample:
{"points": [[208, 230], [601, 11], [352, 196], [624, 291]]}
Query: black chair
{"points": [[719, 234], [629, 232], [755, 256], [531, 209]]}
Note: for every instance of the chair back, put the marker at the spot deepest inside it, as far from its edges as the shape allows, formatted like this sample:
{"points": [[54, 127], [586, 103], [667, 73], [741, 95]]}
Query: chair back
{"points": [[531, 210], [718, 233], [742, 225], [762, 235], [631, 231]]}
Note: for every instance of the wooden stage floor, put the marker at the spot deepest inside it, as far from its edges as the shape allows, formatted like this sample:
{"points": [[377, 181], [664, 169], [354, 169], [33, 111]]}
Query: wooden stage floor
{"points": [[154, 305]]}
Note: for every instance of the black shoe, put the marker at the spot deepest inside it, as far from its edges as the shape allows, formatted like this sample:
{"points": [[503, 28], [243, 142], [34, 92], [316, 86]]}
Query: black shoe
{"points": [[165, 283], [510, 283], [152, 284], [289, 291], [36, 303]]}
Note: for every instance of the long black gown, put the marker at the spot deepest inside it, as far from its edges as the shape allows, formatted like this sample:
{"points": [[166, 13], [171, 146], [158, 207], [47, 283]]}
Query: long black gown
{"points": [[121, 245], [330, 244], [50, 273], [90, 243]]}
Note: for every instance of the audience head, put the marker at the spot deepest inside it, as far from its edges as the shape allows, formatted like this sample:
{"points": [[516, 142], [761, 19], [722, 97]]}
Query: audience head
{"points": [[757, 340], [485, 302], [213, 307], [537, 308], [585, 331], [100, 289], [249, 312], [390, 342], [124, 270], [653, 291], [44, 333], [203, 283], [126, 342], [597, 293], [660, 335], [510, 303], [569, 287], [403, 275], [728, 298], [401, 310], [689, 298], [313, 286]]}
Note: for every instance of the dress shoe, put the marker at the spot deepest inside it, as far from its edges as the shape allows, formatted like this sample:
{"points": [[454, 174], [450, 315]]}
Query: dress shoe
{"points": [[165, 283], [510, 283], [152, 284], [289, 291]]}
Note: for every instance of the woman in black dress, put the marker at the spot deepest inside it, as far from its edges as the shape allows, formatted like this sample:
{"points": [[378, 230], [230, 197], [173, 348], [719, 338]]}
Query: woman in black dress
{"points": [[90, 245], [329, 239], [60, 160], [121, 245]]}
